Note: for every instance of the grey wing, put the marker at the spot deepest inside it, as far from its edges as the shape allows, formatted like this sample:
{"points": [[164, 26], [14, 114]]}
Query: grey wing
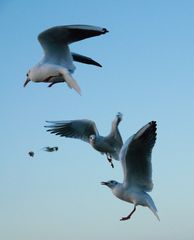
{"points": [[81, 129], [115, 131], [114, 138], [84, 59], [118, 140], [61, 35], [135, 157]]}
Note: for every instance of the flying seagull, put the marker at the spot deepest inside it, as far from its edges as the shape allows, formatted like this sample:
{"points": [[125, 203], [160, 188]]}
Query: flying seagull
{"points": [[87, 131], [135, 157], [57, 63], [50, 149], [31, 154]]}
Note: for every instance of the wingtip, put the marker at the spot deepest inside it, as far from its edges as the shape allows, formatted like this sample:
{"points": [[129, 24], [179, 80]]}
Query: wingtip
{"points": [[94, 63], [105, 30], [119, 114], [98, 64], [48, 122], [156, 214], [153, 123], [153, 126], [119, 117]]}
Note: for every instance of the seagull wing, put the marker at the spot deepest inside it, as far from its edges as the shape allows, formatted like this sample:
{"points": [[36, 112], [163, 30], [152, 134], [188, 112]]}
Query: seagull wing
{"points": [[84, 59], [135, 157], [114, 138], [48, 149], [59, 36], [55, 42], [81, 129]]}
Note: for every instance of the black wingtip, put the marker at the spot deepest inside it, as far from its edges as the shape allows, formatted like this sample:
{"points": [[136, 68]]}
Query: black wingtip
{"points": [[47, 122], [105, 30], [154, 123], [97, 64]]}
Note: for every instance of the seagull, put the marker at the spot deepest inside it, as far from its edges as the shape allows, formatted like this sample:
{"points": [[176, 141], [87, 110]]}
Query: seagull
{"points": [[87, 131], [135, 157], [50, 149], [31, 154], [57, 63]]}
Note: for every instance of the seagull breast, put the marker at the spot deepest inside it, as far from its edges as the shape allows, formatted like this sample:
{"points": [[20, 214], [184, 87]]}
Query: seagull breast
{"points": [[101, 145]]}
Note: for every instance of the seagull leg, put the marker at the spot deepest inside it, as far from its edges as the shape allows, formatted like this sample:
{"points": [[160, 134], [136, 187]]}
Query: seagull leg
{"points": [[50, 85], [109, 158], [128, 217], [47, 79]]}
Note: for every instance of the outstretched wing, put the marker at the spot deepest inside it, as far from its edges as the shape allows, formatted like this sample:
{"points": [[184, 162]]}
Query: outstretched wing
{"points": [[114, 138], [81, 129], [61, 35], [135, 157]]}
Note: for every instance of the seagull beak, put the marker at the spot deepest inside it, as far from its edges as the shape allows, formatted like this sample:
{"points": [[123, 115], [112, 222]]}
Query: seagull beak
{"points": [[27, 81], [104, 183]]}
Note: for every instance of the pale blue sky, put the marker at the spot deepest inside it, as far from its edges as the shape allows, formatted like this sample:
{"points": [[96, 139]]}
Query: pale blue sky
{"points": [[147, 74]]}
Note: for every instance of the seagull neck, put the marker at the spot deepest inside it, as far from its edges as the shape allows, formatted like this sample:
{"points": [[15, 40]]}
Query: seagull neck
{"points": [[117, 189]]}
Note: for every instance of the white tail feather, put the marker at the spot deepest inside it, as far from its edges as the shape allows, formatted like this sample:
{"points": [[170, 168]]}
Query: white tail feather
{"points": [[155, 213], [151, 206], [71, 82]]}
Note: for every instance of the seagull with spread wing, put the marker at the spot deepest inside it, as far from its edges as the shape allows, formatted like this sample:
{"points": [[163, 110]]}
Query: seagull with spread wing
{"points": [[57, 63], [50, 149], [87, 131], [135, 157]]}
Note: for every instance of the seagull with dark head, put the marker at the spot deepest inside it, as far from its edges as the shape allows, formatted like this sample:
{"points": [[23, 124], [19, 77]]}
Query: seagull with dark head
{"points": [[135, 157], [87, 131], [57, 64], [31, 153], [50, 149]]}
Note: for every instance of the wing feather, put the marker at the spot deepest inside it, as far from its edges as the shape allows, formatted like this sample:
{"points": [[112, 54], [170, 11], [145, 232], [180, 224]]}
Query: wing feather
{"points": [[61, 35], [135, 157], [83, 59], [80, 129], [114, 138]]}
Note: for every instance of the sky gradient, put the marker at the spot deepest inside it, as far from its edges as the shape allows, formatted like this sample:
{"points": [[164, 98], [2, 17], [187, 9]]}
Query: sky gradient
{"points": [[147, 74]]}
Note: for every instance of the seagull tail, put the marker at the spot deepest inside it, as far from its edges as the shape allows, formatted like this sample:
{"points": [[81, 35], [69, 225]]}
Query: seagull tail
{"points": [[71, 82], [155, 213], [152, 207]]}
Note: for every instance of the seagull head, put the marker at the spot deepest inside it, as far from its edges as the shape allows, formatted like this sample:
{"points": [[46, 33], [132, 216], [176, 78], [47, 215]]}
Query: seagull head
{"points": [[27, 79], [36, 74], [111, 184], [92, 139]]}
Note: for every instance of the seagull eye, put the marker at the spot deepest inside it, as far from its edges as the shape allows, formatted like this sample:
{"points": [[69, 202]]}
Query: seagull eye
{"points": [[27, 75]]}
